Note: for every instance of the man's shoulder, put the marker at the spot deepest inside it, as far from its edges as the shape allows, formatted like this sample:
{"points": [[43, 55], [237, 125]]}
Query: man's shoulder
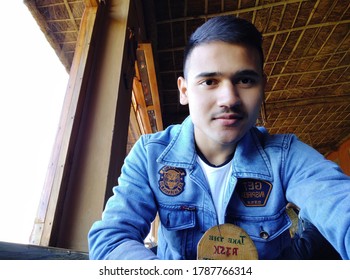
{"points": [[165, 135], [268, 139]]}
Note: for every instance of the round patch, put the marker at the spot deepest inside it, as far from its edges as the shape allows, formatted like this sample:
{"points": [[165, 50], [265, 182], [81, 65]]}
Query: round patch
{"points": [[171, 180], [226, 242]]}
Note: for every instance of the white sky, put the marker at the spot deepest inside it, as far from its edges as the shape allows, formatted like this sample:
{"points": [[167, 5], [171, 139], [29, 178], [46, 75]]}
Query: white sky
{"points": [[33, 84]]}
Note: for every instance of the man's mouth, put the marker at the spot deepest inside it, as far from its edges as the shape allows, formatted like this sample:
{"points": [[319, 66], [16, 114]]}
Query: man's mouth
{"points": [[228, 119]]}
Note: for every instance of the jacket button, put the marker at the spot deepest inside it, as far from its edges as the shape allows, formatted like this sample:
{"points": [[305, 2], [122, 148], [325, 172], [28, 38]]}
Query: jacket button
{"points": [[263, 234]]}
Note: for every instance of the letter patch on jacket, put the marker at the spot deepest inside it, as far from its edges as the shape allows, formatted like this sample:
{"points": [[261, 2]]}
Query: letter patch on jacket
{"points": [[172, 180], [253, 193]]}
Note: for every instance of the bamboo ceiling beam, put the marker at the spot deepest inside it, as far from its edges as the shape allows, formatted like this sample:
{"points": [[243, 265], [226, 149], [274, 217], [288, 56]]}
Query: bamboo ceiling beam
{"points": [[308, 72], [244, 10], [316, 102], [303, 89], [302, 28], [71, 16], [307, 57], [62, 20]]}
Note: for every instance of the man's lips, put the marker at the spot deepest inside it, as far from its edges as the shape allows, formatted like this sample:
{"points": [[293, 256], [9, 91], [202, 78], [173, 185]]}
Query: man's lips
{"points": [[228, 118]]}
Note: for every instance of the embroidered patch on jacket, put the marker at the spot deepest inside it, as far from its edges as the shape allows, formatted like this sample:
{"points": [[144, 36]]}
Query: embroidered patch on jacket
{"points": [[172, 180], [253, 193]]}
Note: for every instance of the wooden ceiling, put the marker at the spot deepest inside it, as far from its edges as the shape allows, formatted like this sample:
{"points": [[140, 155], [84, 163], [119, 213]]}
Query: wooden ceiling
{"points": [[306, 45]]}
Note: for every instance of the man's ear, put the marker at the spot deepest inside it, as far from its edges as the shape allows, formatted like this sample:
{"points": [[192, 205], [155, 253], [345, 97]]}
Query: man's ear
{"points": [[182, 86], [263, 104], [264, 81]]}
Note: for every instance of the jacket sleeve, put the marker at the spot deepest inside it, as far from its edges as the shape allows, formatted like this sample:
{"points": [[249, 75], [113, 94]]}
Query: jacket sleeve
{"points": [[321, 190], [127, 217]]}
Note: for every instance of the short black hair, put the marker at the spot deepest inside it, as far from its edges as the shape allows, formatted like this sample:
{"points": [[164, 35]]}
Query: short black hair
{"points": [[229, 29]]}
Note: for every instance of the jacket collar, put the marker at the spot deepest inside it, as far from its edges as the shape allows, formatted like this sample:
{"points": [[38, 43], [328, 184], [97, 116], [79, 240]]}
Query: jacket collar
{"points": [[181, 150], [249, 161]]}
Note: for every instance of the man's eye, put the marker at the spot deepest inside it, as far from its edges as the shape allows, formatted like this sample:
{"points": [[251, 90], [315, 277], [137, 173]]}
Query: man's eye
{"points": [[246, 81], [209, 82]]}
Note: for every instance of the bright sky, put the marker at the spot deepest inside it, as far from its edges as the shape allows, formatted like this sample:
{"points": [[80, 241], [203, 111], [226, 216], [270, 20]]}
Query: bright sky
{"points": [[33, 84]]}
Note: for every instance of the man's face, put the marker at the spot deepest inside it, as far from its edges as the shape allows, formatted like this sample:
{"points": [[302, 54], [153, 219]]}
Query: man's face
{"points": [[224, 89]]}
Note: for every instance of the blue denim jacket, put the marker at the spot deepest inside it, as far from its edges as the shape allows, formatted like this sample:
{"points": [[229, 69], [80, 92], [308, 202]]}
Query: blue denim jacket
{"points": [[161, 175]]}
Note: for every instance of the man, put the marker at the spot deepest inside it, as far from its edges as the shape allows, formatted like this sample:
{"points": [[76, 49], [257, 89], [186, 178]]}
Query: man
{"points": [[216, 167]]}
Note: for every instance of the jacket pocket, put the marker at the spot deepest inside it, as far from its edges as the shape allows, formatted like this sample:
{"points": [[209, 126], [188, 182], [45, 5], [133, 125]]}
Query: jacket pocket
{"points": [[177, 217], [269, 233], [264, 228], [177, 234]]}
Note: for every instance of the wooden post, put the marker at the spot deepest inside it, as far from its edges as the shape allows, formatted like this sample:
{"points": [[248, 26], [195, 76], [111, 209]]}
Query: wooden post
{"points": [[92, 138]]}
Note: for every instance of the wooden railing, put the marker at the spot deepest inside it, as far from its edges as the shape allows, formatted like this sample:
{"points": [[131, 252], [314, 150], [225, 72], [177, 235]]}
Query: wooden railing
{"points": [[15, 251]]}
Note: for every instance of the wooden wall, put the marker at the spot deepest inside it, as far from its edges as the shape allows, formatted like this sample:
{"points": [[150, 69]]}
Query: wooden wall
{"points": [[342, 156]]}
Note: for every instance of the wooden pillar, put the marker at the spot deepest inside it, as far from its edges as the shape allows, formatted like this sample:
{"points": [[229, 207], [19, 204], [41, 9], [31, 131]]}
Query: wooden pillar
{"points": [[92, 139]]}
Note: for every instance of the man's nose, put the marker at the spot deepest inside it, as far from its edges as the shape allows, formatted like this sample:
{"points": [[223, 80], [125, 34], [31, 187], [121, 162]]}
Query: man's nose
{"points": [[228, 95]]}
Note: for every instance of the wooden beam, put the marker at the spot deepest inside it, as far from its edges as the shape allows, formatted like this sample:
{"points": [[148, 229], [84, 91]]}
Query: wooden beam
{"points": [[145, 87], [140, 105], [102, 137], [147, 48], [134, 125], [91, 142], [63, 150], [91, 3]]}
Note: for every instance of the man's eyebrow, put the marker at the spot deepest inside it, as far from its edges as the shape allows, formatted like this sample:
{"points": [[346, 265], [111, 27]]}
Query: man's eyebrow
{"points": [[247, 72], [208, 74]]}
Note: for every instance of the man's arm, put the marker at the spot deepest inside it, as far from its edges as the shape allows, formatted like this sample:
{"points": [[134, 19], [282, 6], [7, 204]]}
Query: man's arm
{"points": [[128, 214], [322, 191]]}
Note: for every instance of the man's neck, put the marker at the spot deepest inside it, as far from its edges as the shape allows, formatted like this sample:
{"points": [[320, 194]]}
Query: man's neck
{"points": [[216, 158]]}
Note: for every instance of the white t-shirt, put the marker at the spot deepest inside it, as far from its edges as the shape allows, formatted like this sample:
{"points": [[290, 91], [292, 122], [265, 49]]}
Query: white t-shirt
{"points": [[217, 178]]}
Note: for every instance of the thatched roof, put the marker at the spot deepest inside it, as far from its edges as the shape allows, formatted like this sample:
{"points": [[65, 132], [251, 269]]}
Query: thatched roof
{"points": [[306, 45], [59, 20]]}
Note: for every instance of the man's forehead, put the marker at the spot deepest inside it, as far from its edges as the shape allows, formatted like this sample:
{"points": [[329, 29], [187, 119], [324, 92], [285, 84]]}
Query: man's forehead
{"points": [[213, 57], [203, 47]]}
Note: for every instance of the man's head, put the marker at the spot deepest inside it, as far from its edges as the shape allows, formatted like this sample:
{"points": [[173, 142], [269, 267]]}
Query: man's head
{"points": [[223, 84], [227, 29]]}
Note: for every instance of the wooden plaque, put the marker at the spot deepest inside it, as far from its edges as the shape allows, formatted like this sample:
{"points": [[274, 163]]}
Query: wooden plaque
{"points": [[226, 242]]}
